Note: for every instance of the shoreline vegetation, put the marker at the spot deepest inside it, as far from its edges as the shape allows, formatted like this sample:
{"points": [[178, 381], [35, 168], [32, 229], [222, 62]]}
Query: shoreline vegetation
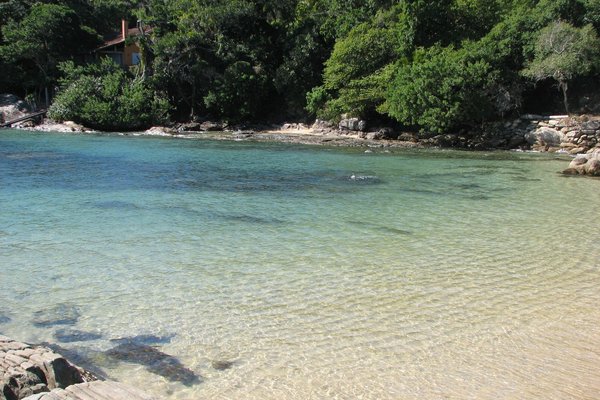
{"points": [[578, 136], [444, 70]]}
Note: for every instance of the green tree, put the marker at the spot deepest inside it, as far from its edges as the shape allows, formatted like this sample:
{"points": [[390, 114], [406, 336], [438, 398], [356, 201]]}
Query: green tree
{"points": [[563, 52], [441, 89], [104, 96], [48, 34]]}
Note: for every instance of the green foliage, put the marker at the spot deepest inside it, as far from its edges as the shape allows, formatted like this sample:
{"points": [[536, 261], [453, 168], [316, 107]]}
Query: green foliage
{"points": [[563, 52], [237, 96], [47, 34], [440, 90], [104, 96], [316, 100], [435, 64]]}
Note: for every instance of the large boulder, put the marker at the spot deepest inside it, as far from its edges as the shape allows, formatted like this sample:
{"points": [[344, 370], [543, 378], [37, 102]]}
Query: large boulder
{"points": [[545, 137], [381, 134], [585, 164], [353, 124], [592, 167], [12, 107], [26, 370]]}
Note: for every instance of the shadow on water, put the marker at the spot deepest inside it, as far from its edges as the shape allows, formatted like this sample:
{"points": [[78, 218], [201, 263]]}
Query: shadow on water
{"points": [[247, 218], [146, 339], [115, 204], [154, 361], [82, 357], [381, 228]]}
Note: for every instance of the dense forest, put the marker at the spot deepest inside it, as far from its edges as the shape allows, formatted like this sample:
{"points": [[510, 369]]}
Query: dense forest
{"points": [[429, 65]]}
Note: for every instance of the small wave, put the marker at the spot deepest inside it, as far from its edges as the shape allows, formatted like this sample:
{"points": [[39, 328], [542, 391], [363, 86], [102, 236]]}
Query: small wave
{"points": [[364, 178]]}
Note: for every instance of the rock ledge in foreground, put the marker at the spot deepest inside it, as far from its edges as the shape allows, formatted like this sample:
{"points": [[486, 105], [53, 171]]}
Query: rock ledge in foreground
{"points": [[36, 372]]}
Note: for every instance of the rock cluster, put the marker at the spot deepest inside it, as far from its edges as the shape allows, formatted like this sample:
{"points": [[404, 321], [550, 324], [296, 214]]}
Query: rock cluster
{"points": [[352, 124], [585, 164], [529, 132], [37, 373], [26, 370], [206, 126]]}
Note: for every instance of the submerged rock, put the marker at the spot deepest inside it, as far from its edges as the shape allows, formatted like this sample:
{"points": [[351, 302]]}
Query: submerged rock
{"points": [[144, 339], [61, 314], [221, 365], [116, 204], [4, 319], [155, 361], [74, 335]]}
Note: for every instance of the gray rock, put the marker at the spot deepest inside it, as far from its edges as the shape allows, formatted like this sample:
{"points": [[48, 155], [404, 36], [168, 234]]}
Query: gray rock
{"points": [[387, 134], [592, 167], [352, 124], [322, 124], [160, 131], [145, 339], [211, 126], [545, 137], [12, 107], [190, 127], [579, 160], [591, 125], [408, 137], [576, 150], [221, 365], [61, 314], [374, 135], [26, 370], [571, 171], [74, 335]]}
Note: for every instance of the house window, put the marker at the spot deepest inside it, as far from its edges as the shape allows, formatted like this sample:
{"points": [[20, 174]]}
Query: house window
{"points": [[136, 58], [116, 57]]}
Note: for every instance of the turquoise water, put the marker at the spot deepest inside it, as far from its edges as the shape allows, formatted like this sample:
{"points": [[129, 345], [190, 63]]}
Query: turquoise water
{"points": [[317, 272]]}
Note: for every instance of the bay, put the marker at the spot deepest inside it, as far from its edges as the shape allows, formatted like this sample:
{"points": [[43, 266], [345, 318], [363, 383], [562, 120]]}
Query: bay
{"points": [[274, 271]]}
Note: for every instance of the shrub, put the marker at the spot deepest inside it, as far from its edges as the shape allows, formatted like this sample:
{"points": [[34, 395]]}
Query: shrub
{"points": [[104, 96]]}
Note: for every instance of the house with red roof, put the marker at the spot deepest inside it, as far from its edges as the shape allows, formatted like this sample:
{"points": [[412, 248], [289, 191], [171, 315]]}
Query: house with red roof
{"points": [[121, 46]]}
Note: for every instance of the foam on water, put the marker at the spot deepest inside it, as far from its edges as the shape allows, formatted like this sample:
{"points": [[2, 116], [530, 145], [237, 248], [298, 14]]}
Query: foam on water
{"points": [[441, 274]]}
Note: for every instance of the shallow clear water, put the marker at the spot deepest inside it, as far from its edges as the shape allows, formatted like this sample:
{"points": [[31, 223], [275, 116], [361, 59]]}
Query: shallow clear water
{"points": [[319, 272]]}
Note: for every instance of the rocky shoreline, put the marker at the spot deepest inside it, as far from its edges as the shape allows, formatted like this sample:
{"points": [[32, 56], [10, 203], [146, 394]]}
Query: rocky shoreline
{"points": [[572, 135], [37, 373]]}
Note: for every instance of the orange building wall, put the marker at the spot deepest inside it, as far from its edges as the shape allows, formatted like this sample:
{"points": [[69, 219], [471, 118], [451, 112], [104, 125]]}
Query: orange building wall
{"points": [[128, 52]]}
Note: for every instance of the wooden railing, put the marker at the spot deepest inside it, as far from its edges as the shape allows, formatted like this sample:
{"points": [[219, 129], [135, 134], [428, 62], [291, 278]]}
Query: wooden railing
{"points": [[21, 119]]}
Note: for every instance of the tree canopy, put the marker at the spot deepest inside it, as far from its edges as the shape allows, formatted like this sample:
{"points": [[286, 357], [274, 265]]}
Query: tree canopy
{"points": [[432, 65]]}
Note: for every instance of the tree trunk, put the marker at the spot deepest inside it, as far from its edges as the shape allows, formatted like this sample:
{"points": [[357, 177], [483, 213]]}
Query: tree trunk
{"points": [[564, 86]]}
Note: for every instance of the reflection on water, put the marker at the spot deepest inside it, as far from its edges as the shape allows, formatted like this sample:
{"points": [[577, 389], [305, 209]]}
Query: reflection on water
{"points": [[261, 271]]}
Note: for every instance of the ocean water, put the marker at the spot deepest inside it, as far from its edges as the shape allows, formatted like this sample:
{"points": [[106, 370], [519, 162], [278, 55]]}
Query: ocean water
{"points": [[266, 271]]}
